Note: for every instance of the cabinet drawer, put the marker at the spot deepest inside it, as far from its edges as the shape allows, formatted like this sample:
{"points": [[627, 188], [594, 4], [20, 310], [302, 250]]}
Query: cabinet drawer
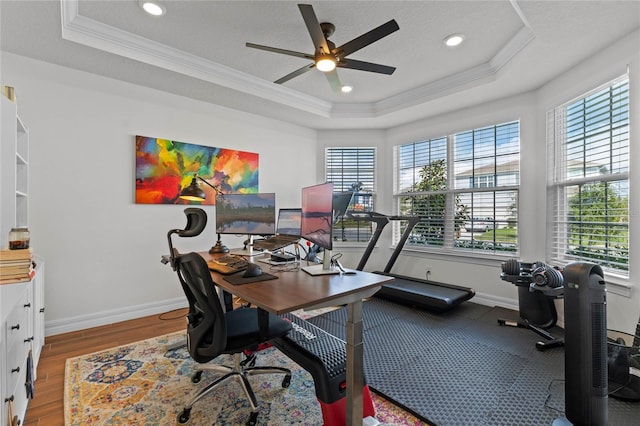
{"points": [[16, 374], [16, 388], [18, 322]]}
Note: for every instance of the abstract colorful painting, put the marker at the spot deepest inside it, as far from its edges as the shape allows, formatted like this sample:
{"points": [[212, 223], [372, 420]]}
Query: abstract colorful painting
{"points": [[164, 167]]}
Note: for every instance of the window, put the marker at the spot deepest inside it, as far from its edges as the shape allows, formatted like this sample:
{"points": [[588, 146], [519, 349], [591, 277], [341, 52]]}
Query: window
{"points": [[483, 181], [589, 184], [464, 187], [353, 169]]}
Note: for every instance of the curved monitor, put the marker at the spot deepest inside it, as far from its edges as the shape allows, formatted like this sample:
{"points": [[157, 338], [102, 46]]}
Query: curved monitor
{"points": [[248, 214], [317, 214]]}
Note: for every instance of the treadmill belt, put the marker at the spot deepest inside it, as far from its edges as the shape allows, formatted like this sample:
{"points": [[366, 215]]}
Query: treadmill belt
{"points": [[425, 294]]}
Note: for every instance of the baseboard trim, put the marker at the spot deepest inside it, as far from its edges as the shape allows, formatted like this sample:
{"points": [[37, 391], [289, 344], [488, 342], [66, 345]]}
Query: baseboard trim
{"points": [[81, 322], [491, 300]]}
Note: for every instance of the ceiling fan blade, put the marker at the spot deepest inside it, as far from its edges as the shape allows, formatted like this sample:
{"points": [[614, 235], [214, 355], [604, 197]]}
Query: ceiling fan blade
{"points": [[296, 73], [367, 38], [313, 26], [365, 66], [278, 50], [334, 81]]}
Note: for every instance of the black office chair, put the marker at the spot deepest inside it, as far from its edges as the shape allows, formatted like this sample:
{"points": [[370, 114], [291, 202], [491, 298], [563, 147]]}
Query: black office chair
{"points": [[211, 331]]}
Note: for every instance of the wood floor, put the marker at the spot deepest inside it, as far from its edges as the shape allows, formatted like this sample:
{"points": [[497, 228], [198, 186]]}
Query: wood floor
{"points": [[47, 407]]}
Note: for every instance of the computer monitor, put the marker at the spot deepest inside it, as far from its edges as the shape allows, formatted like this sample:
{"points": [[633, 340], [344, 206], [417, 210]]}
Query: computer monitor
{"points": [[248, 214], [289, 222], [317, 223], [341, 201]]}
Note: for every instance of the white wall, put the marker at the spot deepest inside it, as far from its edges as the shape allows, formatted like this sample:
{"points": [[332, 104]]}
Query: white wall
{"points": [[102, 250]]}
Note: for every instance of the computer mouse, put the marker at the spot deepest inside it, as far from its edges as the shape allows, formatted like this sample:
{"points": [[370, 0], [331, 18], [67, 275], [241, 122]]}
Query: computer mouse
{"points": [[253, 270]]}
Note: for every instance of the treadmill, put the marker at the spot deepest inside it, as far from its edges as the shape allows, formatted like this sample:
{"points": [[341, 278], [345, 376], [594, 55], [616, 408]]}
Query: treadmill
{"points": [[425, 294]]}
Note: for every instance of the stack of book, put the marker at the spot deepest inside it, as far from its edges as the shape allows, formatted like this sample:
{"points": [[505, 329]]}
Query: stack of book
{"points": [[16, 266]]}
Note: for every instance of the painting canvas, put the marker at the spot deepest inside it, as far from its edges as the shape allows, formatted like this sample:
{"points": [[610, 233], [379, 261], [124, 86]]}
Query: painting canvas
{"points": [[164, 167]]}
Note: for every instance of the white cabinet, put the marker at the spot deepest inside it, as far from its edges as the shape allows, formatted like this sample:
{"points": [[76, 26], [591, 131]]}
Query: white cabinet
{"points": [[21, 303], [21, 340], [14, 170]]}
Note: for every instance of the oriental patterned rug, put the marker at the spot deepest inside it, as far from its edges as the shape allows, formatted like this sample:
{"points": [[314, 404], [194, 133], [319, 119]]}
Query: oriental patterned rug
{"points": [[145, 383]]}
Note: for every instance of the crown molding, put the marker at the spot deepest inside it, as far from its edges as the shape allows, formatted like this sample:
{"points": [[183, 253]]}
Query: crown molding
{"points": [[97, 35]]}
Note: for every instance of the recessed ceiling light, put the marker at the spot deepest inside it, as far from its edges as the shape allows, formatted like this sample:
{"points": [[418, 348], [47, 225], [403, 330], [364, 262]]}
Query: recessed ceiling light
{"points": [[152, 7], [453, 40], [346, 89]]}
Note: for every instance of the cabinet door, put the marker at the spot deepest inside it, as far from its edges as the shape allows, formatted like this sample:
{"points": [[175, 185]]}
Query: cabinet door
{"points": [[3, 386], [38, 310]]}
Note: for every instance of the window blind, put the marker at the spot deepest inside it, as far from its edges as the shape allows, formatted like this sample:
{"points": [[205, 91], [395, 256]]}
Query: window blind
{"points": [[346, 167], [589, 181], [464, 187]]}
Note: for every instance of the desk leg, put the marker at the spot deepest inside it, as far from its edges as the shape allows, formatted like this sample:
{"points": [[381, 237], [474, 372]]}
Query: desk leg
{"points": [[355, 370]]}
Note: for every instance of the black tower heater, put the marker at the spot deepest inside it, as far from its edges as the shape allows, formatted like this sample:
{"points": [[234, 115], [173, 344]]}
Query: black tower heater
{"points": [[585, 316]]}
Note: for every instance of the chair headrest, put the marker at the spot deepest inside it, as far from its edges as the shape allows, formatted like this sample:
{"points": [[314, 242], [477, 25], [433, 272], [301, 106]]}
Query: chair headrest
{"points": [[196, 222]]}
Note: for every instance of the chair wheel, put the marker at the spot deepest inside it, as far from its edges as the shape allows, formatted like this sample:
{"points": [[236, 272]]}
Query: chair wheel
{"points": [[197, 376], [184, 416], [286, 382], [253, 419]]}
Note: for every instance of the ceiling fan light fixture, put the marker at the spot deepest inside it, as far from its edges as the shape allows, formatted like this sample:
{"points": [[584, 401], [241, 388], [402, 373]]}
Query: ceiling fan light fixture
{"points": [[453, 40], [327, 56], [326, 63], [152, 7]]}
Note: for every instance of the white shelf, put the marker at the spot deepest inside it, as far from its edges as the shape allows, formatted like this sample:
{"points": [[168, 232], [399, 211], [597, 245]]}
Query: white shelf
{"points": [[14, 162]]}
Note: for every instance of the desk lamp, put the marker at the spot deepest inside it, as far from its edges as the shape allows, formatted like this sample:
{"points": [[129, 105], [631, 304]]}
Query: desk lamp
{"points": [[194, 193]]}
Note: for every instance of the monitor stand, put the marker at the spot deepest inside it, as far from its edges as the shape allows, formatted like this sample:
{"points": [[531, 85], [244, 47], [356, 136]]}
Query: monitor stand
{"points": [[247, 250], [322, 269]]}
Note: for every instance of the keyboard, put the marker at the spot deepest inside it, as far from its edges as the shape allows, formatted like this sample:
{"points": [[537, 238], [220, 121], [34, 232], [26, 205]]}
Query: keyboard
{"points": [[276, 242], [227, 264]]}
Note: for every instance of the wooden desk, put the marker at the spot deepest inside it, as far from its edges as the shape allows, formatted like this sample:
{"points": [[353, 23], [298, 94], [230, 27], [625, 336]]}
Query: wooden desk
{"points": [[297, 289]]}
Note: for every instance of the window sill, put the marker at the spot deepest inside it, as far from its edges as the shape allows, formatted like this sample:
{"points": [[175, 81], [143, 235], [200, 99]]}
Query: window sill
{"points": [[349, 244], [617, 285], [475, 258]]}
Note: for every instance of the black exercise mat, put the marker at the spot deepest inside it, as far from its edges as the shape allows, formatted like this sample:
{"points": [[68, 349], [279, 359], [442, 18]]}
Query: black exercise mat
{"points": [[461, 368]]}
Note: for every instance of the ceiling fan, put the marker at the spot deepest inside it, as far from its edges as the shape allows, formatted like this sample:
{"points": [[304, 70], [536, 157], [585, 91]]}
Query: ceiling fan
{"points": [[327, 56]]}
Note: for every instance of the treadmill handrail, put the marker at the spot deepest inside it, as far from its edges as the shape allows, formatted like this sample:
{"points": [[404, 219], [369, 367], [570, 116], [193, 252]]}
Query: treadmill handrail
{"points": [[381, 221], [413, 221]]}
